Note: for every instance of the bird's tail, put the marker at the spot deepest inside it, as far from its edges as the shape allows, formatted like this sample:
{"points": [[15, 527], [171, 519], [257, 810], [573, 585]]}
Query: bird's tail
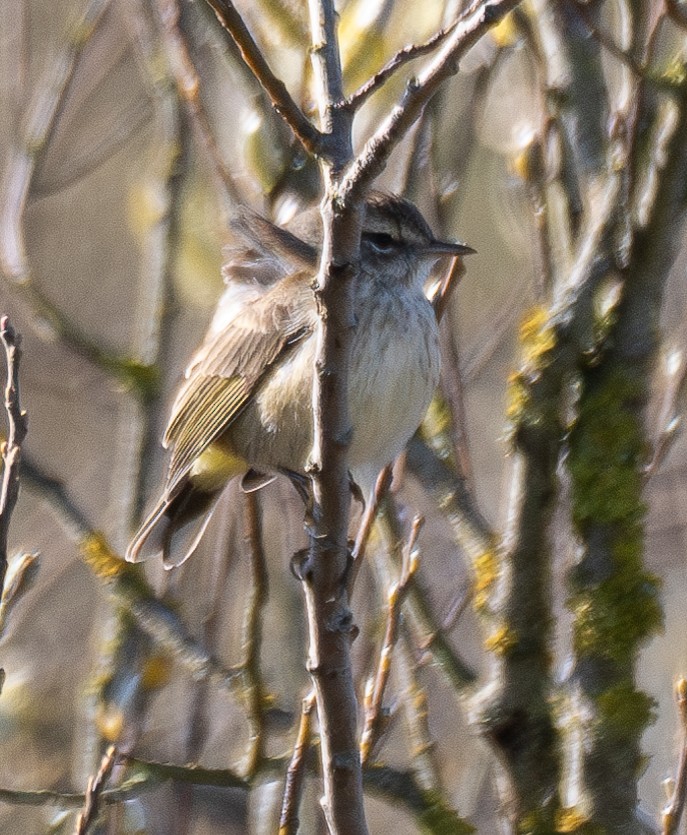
{"points": [[175, 526]]}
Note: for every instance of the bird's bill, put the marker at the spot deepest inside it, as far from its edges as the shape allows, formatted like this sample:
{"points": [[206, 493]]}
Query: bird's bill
{"points": [[449, 248]]}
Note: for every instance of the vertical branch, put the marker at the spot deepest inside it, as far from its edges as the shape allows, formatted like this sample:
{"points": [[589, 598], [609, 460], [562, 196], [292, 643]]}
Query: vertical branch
{"points": [[396, 595], [17, 428], [162, 189], [188, 87], [96, 784], [39, 120], [252, 633], [330, 623], [672, 814], [425, 764], [614, 598], [293, 789]]}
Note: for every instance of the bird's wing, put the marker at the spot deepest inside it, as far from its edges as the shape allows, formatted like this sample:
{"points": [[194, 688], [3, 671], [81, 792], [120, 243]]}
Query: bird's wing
{"points": [[228, 369]]}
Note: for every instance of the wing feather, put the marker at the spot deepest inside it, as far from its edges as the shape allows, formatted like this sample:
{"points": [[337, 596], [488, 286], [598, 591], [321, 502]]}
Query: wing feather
{"points": [[229, 367]]}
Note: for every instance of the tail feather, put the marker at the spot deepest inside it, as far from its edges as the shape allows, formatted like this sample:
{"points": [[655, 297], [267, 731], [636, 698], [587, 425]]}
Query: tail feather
{"points": [[175, 527]]}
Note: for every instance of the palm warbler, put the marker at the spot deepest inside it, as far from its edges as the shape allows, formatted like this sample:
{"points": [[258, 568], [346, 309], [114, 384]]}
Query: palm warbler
{"points": [[246, 403]]}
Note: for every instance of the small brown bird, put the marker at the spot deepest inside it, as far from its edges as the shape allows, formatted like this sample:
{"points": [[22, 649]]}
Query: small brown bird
{"points": [[246, 403]]}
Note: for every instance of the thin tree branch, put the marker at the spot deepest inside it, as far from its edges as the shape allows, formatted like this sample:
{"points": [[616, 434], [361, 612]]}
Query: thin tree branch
{"points": [[282, 101], [134, 787], [530, 165], [295, 774], [672, 814], [18, 580], [43, 113], [669, 422], [419, 611], [254, 689], [389, 784], [11, 451], [402, 57], [367, 523], [330, 622], [188, 87], [96, 785], [374, 156], [420, 743], [608, 43], [375, 693]]}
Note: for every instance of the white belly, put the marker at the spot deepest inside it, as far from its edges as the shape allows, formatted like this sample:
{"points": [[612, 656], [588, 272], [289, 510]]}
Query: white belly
{"points": [[394, 371]]}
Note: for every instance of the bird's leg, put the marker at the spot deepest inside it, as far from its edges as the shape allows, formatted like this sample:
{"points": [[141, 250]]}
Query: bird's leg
{"points": [[300, 564], [303, 486]]}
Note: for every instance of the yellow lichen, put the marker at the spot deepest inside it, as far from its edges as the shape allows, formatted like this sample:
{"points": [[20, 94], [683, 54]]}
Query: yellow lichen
{"points": [[156, 671], [516, 396], [110, 722], [570, 819], [501, 641], [537, 337], [505, 32], [676, 72], [98, 555], [486, 569]]}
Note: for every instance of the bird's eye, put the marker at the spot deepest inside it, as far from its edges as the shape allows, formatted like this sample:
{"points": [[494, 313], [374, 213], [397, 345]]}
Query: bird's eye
{"points": [[380, 241]]}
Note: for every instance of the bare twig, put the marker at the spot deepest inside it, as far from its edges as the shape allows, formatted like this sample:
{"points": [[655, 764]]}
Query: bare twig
{"points": [[19, 579], [96, 784], [43, 113], [282, 101], [377, 686], [672, 814], [293, 788], [75, 800], [17, 428], [188, 86], [388, 783], [457, 609], [421, 617], [670, 417], [372, 160], [530, 165], [382, 486], [402, 57], [608, 43], [444, 290], [451, 372], [426, 769], [252, 633]]}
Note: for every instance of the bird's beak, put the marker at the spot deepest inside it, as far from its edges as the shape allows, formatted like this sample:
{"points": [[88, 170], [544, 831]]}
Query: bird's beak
{"points": [[449, 248]]}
